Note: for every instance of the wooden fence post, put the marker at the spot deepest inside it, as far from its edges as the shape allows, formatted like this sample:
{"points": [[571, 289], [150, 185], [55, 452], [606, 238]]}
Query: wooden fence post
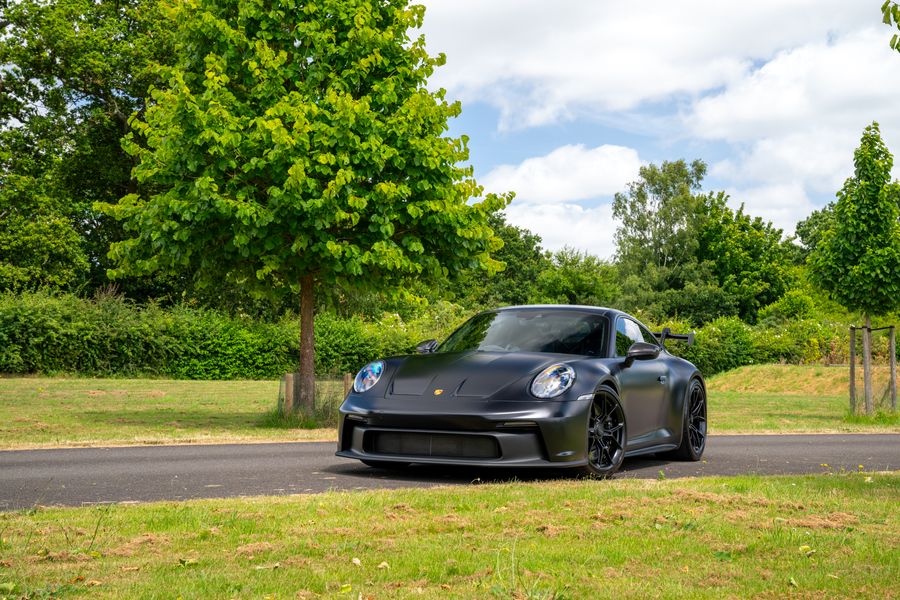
{"points": [[852, 370], [288, 407], [348, 381], [893, 351]]}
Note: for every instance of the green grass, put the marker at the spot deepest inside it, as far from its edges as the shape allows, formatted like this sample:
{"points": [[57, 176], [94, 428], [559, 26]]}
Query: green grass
{"points": [[821, 536], [43, 412], [792, 399], [36, 412]]}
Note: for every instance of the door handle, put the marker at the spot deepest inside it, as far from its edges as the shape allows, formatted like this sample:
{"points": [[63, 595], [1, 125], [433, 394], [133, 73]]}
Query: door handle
{"points": [[661, 379]]}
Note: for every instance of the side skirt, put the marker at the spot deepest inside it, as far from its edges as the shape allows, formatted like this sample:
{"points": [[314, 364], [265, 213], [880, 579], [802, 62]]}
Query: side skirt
{"points": [[650, 450]]}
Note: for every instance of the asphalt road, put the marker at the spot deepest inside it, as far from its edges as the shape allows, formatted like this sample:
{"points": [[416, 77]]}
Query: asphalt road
{"points": [[84, 476]]}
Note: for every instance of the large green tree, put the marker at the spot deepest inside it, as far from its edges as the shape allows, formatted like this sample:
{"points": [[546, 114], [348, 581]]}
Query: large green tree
{"points": [[748, 257], [295, 149], [658, 215], [73, 73], [684, 253], [857, 260]]}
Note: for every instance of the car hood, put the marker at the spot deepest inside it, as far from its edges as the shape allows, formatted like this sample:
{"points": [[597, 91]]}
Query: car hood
{"points": [[469, 374]]}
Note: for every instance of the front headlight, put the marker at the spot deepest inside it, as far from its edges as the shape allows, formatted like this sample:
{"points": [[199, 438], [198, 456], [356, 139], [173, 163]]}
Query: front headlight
{"points": [[368, 376], [553, 381]]}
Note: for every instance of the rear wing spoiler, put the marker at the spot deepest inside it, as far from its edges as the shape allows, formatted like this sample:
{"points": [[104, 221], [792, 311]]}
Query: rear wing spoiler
{"points": [[666, 334]]}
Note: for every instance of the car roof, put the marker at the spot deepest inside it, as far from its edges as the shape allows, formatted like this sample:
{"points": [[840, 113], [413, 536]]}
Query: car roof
{"points": [[611, 312]]}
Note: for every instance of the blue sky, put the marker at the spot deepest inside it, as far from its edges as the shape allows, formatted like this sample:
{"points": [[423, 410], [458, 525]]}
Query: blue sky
{"points": [[563, 101]]}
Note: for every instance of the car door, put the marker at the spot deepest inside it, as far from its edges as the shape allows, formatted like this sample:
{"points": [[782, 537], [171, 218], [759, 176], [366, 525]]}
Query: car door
{"points": [[644, 386]]}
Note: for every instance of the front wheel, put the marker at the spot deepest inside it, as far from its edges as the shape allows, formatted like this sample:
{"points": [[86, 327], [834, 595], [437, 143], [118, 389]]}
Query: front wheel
{"points": [[693, 429], [605, 434]]}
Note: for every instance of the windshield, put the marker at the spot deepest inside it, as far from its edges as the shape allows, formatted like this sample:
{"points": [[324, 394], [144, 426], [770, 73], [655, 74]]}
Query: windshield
{"points": [[560, 332]]}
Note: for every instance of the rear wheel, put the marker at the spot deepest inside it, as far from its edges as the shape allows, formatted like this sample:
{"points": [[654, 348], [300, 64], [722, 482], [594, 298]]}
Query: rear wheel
{"points": [[693, 429], [606, 434], [385, 464]]}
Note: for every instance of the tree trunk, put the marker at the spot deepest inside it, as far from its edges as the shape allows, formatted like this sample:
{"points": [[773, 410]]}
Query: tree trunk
{"points": [[307, 379], [867, 365]]}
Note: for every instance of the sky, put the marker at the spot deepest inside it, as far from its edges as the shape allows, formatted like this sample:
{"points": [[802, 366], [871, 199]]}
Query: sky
{"points": [[563, 101]]}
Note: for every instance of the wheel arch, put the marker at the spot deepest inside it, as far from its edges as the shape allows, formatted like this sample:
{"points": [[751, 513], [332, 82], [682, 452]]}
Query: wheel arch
{"points": [[682, 397], [609, 382]]}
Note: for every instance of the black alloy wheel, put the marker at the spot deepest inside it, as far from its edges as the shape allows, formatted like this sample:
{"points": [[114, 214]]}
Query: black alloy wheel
{"points": [[606, 434], [693, 436]]}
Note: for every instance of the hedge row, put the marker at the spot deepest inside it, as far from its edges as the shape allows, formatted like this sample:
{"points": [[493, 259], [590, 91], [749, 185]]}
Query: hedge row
{"points": [[111, 337], [728, 343]]}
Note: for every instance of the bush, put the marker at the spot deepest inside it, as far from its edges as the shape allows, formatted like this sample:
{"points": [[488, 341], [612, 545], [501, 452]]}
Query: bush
{"points": [[42, 333], [723, 344], [795, 304]]}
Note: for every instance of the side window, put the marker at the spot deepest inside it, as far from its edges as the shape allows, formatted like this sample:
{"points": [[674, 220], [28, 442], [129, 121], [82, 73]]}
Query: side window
{"points": [[627, 333], [648, 336]]}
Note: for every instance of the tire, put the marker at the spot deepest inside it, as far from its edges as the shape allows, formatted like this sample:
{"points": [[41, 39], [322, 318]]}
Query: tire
{"points": [[385, 464], [606, 434], [693, 426]]}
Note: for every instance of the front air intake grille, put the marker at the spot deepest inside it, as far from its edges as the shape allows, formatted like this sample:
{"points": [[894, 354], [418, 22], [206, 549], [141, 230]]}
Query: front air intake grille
{"points": [[405, 443]]}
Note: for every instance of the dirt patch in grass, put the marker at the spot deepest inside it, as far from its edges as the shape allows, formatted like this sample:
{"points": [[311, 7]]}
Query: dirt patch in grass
{"points": [[250, 551], [142, 544]]}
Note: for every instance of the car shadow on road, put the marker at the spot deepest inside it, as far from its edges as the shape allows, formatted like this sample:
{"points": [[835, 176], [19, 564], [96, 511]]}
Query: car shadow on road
{"points": [[456, 475]]}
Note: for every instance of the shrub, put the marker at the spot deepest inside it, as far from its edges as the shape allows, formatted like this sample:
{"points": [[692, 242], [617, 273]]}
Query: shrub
{"points": [[723, 344], [42, 333]]}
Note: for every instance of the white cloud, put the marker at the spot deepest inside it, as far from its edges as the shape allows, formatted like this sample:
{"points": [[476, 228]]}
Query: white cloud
{"points": [[795, 121], [781, 204], [568, 174], [559, 225], [549, 188], [540, 63]]}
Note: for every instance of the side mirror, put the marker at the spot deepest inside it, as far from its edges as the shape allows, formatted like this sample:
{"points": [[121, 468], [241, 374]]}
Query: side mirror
{"points": [[427, 347], [641, 351]]}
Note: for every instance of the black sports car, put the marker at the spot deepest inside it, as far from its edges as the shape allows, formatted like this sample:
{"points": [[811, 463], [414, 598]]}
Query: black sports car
{"points": [[529, 386]]}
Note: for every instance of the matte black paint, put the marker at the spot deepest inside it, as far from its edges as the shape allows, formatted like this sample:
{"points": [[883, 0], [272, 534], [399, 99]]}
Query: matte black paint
{"points": [[489, 393]]}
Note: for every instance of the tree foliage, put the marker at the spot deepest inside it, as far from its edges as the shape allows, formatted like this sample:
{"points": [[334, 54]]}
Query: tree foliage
{"points": [[810, 230], [857, 261], [575, 277], [74, 71], [685, 253], [39, 248], [296, 139], [523, 261], [890, 11], [747, 256], [658, 215]]}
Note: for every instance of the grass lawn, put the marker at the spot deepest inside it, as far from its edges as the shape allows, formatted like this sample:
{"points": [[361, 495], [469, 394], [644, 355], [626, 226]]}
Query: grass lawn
{"points": [[821, 536], [36, 412], [792, 399]]}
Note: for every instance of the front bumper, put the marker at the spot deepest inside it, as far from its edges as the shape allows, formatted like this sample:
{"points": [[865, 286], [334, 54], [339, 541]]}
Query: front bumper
{"points": [[456, 431]]}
